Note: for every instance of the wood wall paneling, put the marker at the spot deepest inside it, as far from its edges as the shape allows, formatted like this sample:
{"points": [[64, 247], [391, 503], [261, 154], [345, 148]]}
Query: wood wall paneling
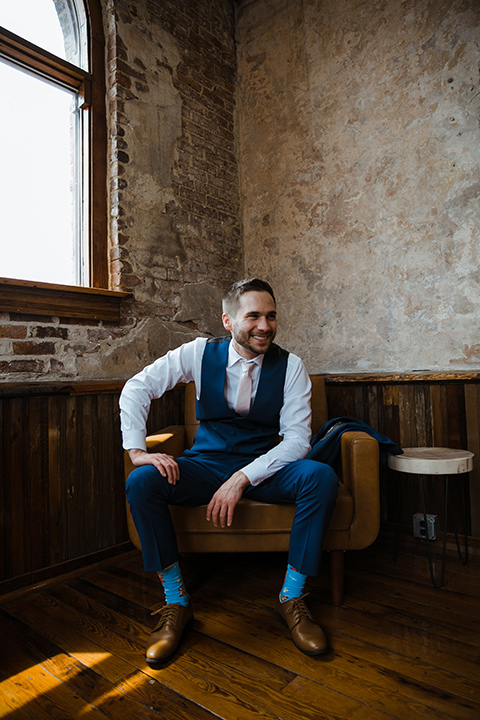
{"points": [[472, 415], [423, 412], [62, 481], [61, 465]]}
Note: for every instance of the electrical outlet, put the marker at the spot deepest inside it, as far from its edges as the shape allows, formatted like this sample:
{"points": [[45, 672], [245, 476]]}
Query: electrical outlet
{"points": [[419, 529]]}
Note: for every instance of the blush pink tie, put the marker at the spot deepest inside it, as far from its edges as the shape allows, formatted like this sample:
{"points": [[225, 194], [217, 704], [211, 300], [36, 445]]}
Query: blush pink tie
{"points": [[244, 397]]}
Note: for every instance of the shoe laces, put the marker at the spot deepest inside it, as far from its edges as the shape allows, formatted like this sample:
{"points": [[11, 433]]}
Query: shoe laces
{"points": [[299, 610], [168, 614]]}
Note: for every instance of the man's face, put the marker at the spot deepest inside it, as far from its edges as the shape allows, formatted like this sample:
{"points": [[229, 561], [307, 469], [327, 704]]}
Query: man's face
{"points": [[255, 324]]}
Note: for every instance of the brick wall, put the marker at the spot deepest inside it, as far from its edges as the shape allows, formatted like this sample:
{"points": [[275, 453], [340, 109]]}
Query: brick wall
{"points": [[34, 347], [173, 195], [172, 75]]}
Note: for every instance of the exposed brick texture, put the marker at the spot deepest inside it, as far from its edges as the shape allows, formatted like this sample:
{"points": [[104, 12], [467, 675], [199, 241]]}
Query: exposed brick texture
{"points": [[13, 331], [202, 211], [173, 189], [33, 348]]}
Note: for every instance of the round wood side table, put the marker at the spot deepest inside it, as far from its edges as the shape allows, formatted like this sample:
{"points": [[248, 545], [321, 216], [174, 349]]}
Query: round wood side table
{"points": [[433, 461]]}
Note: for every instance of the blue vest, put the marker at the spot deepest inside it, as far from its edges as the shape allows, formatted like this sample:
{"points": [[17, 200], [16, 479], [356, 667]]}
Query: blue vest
{"points": [[221, 429]]}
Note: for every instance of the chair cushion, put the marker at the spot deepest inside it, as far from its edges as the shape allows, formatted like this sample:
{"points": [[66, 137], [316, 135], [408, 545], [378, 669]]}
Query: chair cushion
{"points": [[255, 517]]}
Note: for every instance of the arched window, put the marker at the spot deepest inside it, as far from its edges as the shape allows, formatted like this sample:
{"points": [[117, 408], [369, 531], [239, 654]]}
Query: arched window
{"points": [[53, 217]]}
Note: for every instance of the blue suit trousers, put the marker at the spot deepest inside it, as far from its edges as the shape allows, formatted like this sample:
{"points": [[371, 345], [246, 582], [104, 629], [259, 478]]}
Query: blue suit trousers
{"points": [[310, 485]]}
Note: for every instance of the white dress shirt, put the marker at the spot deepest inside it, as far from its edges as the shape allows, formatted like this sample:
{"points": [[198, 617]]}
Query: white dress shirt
{"points": [[184, 364]]}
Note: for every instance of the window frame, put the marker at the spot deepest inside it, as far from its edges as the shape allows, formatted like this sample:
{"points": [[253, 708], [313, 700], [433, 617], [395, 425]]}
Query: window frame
{"points": [[18, 295]]}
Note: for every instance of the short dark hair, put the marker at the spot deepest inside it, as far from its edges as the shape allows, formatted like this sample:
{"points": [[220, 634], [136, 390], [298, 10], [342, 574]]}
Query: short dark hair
{"points": [[232, 297]]}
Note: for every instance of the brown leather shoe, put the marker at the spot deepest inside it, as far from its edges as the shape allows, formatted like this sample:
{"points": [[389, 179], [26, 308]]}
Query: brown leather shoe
{"points": [[174, 620], [306, 634]]}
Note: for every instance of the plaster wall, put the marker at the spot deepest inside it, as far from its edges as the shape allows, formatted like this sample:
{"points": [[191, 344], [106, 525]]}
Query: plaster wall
{"points": [[359, 155]]}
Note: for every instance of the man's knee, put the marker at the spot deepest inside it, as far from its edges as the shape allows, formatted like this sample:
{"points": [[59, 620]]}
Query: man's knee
{"points": [[143, 481], [321, 479]]}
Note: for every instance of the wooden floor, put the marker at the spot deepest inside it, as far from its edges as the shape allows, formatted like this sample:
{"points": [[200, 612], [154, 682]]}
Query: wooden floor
{"points": [[399, 648]]}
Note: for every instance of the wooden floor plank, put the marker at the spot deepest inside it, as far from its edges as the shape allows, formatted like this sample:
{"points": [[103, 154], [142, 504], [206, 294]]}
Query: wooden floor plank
{"points": [[182, 679], [238, 681], [162, 700], [406, 678], [418, 618], [221, 701], [393, 705], [138, 695], [435, 601], [387, 683], [95, 634], [30, 690], [146, 592], [408, 633], [414, 567], [399, 647], [378, 626], [340, 671], [83, 681], [261, 671], [268, 700], [440, 652], [68, 639], [411, 673]]}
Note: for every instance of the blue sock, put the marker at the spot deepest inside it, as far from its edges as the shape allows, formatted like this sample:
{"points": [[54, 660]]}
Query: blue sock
{"points": [[172, 581], [292, 585]]}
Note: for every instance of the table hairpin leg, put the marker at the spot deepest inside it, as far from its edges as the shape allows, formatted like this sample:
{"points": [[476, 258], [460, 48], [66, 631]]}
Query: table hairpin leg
{"points": [[398, 516], [427, 539], [435, 462], [448, 507], [463, 559]]}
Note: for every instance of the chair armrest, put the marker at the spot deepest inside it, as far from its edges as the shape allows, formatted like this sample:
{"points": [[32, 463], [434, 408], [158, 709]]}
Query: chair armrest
{"points": [[360, 474], [169, 440]]}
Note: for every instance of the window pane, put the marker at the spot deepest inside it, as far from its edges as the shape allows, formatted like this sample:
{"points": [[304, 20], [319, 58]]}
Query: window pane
{"points": [[37, 179], [36, 21]]}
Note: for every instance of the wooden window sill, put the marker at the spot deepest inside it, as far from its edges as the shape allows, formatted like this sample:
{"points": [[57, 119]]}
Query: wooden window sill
{"points": [[68, 301]]}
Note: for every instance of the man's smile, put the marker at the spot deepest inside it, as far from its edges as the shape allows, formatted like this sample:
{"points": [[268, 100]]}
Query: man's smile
{"points": [[254, 325]]}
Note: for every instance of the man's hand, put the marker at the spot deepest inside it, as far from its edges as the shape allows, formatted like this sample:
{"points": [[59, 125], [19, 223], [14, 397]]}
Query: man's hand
{"points": [[165, 464], [222, 505]]}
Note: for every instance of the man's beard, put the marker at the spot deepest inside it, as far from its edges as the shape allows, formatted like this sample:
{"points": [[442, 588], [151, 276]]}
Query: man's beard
{"points": [[247, 340]]}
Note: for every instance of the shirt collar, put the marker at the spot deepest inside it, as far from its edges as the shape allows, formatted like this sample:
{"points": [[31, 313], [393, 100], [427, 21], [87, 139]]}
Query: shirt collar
{"points": [[234, 357]]}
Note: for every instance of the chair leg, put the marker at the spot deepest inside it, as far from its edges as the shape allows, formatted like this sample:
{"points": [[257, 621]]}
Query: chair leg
{"points": [[336, 575]]}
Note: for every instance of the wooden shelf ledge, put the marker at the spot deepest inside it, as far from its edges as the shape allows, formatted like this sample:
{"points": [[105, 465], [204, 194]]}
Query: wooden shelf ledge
{"points": [[68, 301], [399, 377]]}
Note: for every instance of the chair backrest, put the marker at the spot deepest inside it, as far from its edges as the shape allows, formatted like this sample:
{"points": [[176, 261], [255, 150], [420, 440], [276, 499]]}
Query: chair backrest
{"points": [[319, 408], [319, 403], [191, 422]]}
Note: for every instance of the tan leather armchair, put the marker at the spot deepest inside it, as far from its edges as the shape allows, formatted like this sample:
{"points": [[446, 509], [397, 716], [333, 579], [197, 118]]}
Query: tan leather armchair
{"points": [[261, 527]]}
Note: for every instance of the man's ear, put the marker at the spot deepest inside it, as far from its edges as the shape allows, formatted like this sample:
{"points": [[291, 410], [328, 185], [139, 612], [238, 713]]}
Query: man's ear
{"points": [[227, 323]]}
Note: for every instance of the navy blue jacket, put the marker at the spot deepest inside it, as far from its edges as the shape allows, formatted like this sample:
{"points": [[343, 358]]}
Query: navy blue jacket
{"points": [[327, 442]]}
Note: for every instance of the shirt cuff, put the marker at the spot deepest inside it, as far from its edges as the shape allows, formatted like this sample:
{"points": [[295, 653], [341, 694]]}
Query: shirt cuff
{"points": [[134, 439], [255, 472]]}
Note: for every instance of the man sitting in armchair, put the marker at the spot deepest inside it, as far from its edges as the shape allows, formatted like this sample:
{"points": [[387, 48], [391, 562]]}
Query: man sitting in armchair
{"points": [[250, 392]]}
